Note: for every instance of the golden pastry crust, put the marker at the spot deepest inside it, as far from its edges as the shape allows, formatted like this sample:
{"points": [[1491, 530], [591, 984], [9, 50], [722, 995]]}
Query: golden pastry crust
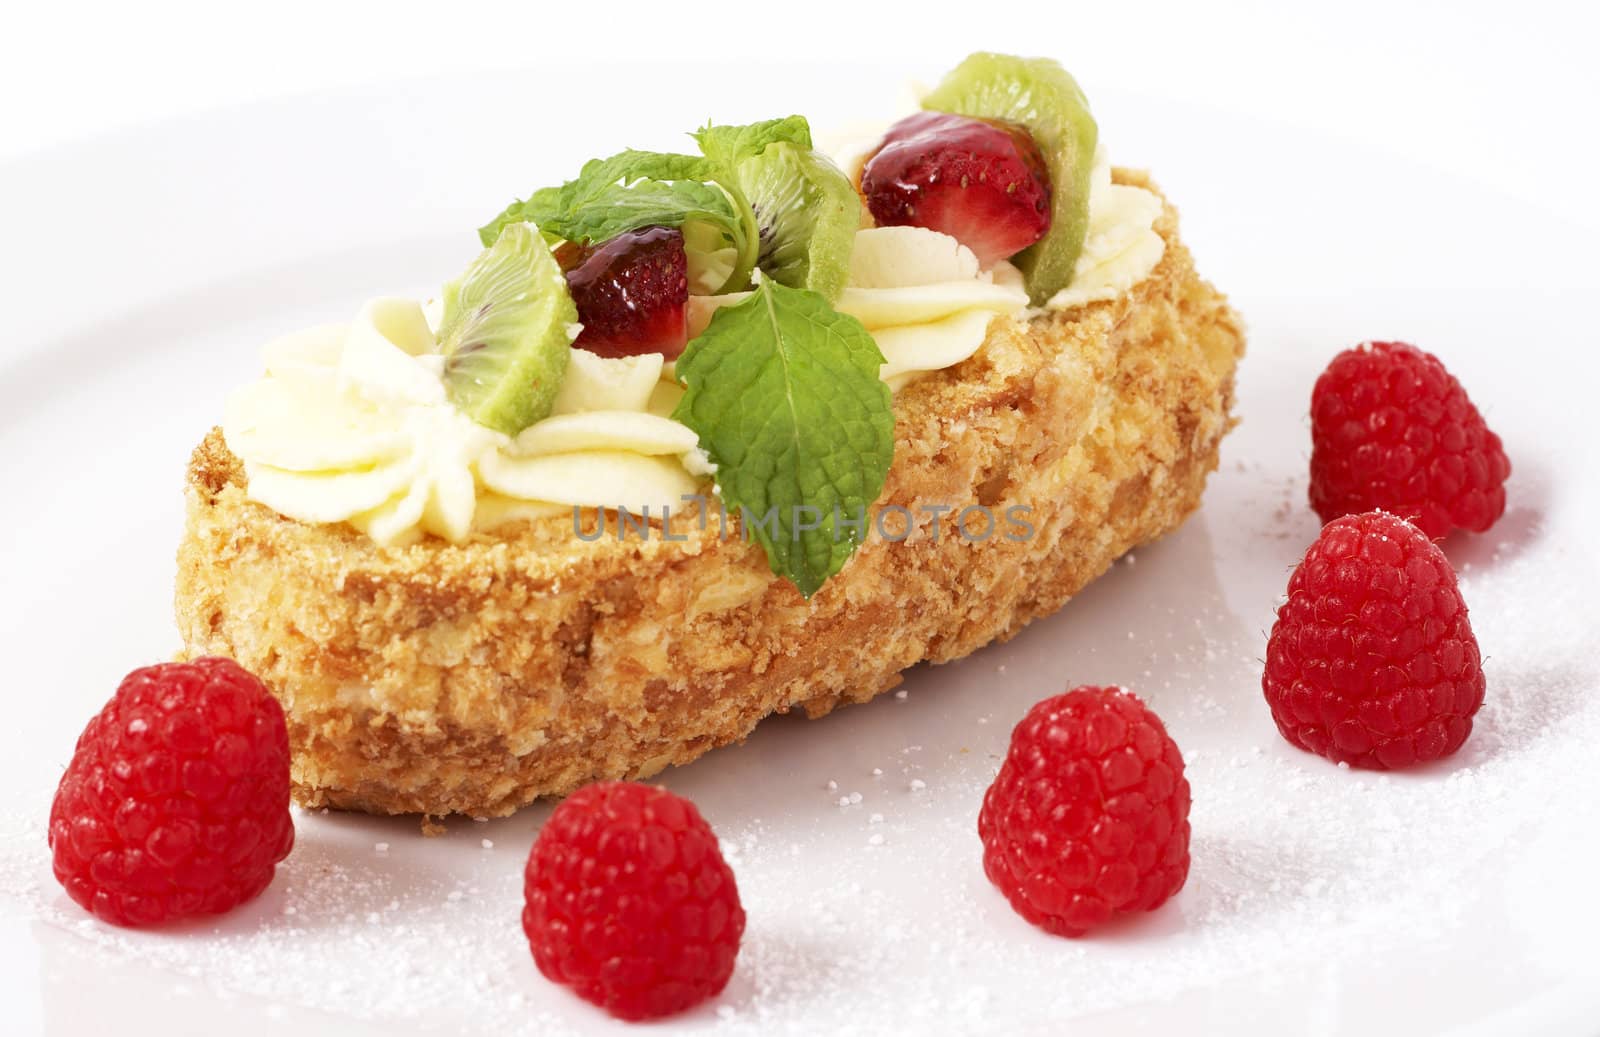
{"points": [[475, 678]]}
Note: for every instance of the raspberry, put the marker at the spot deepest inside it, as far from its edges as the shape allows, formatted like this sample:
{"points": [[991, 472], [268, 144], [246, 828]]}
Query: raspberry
{"points": [[629, 902], [176, 802], [1372, 660], [1392, 429], [1089, 816]]}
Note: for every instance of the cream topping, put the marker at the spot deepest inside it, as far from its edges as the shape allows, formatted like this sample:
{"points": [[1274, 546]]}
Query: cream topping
{"points": [[351, 423], [919, 293], [1121, 247]]}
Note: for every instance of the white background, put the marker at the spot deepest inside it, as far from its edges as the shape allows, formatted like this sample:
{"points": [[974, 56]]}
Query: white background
{"points": [[1501, 92]]}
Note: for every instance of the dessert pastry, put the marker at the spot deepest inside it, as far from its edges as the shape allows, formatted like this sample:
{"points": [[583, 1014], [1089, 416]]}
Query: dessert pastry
{"points": [[700, 438]]}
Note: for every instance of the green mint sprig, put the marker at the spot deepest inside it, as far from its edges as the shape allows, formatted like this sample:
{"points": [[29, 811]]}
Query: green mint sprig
{"points": [[726, 146], [634, 189], [784, 393]]}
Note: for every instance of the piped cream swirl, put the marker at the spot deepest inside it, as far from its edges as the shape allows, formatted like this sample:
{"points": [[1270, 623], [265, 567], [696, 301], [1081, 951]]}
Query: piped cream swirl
{"points": [[1121, 247], [351, 423], [919, 293]]}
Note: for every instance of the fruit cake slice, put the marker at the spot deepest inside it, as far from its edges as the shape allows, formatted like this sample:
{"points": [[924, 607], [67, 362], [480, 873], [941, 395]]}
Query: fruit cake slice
{"points": [[438, 678], [700, 438]]}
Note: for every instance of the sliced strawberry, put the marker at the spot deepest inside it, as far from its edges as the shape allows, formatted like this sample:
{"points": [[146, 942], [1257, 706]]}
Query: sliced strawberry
{"points": [[981, 181], [632, 293]]}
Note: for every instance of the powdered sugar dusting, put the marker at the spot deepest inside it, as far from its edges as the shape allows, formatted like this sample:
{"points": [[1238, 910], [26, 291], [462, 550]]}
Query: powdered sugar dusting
{"points": [[1290, 853], [854, 837]]}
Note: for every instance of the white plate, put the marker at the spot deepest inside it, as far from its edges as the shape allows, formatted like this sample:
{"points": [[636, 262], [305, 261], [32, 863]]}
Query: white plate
{"points": [[144, 270]]}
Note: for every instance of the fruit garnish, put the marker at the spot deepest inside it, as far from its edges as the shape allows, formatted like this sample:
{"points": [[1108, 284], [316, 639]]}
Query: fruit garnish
{"points": [[636, 189], [806, 205], [506, 332], [632, 190], [1039, 94], [1391, 428], [176, 802], [807, 212], [629, 902], [1089, 815], [981, 181], [1372, 660], [784, 394], [782, 389], [631, 293]]}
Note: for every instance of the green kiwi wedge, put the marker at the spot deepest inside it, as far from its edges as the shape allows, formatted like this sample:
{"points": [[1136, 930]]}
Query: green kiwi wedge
{"points": [[808, 213], [506, 333]]}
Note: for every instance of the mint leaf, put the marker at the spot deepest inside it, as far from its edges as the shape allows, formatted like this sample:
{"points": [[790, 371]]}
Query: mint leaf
{"points": [[631, 165], [726, 146], [634, 189], [600, 178], [647, 203], [566, 211], [489, 233], [784, 393]]}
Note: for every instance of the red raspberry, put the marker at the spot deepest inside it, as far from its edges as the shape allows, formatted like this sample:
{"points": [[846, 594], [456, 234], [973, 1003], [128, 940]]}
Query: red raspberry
{"points": [[1089, 816], [176, 802], [630, 903], [1372, 660], [1392, 429]]}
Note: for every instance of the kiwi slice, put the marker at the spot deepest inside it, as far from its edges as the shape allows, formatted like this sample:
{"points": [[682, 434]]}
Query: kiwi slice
{"points": [[1041, 95], [808, 214], [505, 334]]}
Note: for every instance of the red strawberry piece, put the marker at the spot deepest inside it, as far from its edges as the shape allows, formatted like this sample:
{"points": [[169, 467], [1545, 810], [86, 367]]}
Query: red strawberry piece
{"points": [[981, 181], [632, 293], [1392, 429]]}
